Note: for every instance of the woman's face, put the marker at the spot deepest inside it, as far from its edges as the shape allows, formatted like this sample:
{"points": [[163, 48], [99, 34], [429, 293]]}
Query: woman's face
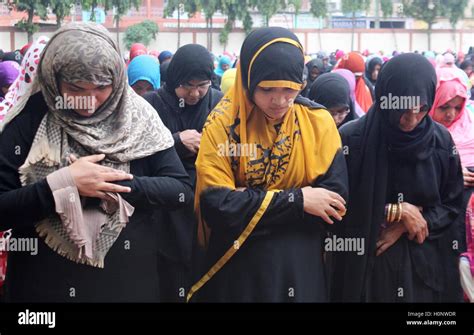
{"points": [[314, 73], [82, 97], [375, 72], [411, 119], [448, 112], [225, 67], [193, 91], [339, 113], [274, 101], [141, 87]]}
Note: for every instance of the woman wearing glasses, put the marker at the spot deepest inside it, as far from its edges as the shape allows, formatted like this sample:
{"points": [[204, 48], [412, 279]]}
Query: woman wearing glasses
{"points": [[332, 91], [186, 99], [183, 104]]}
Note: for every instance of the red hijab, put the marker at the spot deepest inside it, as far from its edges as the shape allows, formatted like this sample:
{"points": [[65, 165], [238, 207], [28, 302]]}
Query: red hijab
{"points": [[355, 63]]}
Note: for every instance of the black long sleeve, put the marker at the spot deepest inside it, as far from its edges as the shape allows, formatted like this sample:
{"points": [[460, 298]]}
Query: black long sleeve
{"points": [[224, 208], [22, 206], [168, 186], [443, 214], [181, 149]]}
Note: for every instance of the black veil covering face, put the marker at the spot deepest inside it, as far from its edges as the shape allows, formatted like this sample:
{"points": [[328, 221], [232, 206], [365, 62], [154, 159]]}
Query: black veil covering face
{"points": [[384, 161], [413, 78]]}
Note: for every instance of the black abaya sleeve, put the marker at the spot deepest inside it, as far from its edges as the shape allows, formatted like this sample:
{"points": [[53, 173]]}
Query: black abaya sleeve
{"points": [[232, 210], [22, 206], [441, 216], [168, 186]]}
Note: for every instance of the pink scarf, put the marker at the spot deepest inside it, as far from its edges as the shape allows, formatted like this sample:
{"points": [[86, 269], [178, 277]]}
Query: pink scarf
{"points": [[450, 85], [470, 233]]}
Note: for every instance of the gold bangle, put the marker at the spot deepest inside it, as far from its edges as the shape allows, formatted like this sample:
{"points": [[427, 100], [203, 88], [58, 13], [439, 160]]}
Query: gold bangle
{"points": [[401, 212], [394, 212], [389, 213]]}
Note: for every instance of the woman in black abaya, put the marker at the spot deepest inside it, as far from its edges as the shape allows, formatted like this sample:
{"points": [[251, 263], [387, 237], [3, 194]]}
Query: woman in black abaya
{"points": [[398, 156]]}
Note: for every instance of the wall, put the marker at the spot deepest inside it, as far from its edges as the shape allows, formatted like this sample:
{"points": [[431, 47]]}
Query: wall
{"points": [[312, 39]]}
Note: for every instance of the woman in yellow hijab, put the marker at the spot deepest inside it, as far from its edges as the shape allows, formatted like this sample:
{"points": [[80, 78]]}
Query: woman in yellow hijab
{"points": [[271, 177]]}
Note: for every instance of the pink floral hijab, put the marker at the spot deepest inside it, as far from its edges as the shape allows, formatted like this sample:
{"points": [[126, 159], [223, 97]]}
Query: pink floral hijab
{"points": [[23, 85]]}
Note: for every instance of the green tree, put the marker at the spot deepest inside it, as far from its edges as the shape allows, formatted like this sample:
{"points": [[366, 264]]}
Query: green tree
{"points": [[209, 8], [182, 6], [91, 5], [61, 8], [267, 8], [143, 32], [386, 7], [32, 8], [454, 10], [319, 8], [352, 7], [424, 10], [120, 7], [235, 10]]}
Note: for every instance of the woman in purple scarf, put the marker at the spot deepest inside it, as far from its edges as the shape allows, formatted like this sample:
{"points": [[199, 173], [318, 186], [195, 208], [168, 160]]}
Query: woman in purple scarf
{"points": [[9, 71]]}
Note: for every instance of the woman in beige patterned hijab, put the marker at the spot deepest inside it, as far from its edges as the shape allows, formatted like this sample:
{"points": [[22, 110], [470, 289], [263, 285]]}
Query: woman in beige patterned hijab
{"points": [[95, 130]]}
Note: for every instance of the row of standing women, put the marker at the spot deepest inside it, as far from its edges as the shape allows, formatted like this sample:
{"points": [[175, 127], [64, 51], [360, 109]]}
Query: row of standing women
{"points": [[274, 179]]}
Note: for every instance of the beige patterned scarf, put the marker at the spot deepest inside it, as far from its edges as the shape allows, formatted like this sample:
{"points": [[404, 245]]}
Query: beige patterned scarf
{"points": [[124, 128]]}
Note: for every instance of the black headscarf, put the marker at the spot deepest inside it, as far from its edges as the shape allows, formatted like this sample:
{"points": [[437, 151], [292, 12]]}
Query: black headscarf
{"points": [[370, 67], [191, 61], [405, 75], [332, 90], [318, 63], [164, 71], [268, 65], [15, 56], [415, 79]]}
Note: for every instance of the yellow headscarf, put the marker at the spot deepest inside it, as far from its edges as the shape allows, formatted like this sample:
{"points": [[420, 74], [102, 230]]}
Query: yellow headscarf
{"points": [[296, 156], [228, 79]]}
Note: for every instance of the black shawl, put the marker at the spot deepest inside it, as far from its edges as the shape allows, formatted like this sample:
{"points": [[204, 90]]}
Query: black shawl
{"points": [[332, 90], [378, 138]]}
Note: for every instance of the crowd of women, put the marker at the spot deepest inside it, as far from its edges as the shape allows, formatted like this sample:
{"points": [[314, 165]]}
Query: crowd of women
{"points": [[268, 177]]}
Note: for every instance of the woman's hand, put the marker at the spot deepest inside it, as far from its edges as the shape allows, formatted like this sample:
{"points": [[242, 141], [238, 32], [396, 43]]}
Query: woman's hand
{"points": [[414, 222], [468, 178], [93, 180], [389, 236], [323, 203], [191, 139]]}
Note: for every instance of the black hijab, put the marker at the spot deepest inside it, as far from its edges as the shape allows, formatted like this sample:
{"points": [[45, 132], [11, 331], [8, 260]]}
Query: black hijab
{"points": [[370, 67], [191, 61], [332, 90], [318, 63], [268, 65], [411, 76], [378, 136], [164, 71]]}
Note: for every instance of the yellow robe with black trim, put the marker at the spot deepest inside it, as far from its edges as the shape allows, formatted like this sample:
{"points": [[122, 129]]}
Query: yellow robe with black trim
{"points": [[301, 152]]}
